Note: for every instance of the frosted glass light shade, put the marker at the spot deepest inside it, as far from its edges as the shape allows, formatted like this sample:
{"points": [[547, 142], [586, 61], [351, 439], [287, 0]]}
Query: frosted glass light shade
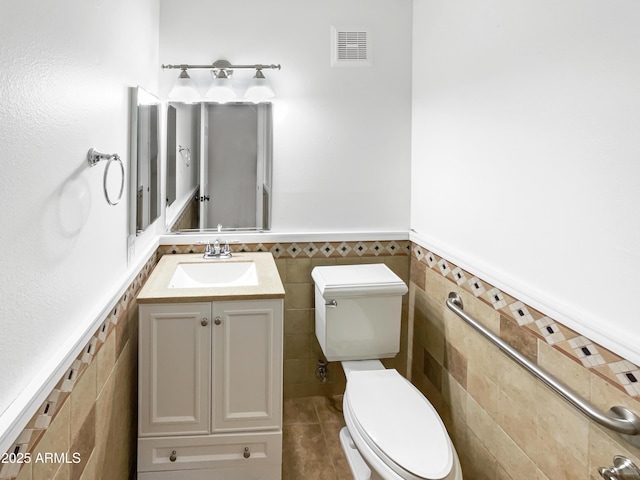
{"points": [[259, 89], [221, 90], [184, 89]]}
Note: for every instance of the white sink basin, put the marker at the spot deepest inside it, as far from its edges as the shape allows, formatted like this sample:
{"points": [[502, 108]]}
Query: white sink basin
{"points": [[214, 274]]}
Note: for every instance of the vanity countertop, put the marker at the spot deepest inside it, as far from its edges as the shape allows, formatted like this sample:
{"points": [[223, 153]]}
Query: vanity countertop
{"points": [[157, 290]]}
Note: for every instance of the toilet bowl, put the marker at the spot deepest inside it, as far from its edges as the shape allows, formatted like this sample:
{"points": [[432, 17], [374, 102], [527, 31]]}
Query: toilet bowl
{"points": [[392, 432]]}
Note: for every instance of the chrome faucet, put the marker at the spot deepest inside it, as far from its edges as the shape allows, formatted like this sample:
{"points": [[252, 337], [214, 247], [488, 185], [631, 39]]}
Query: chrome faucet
{"points": [[216, 251]]}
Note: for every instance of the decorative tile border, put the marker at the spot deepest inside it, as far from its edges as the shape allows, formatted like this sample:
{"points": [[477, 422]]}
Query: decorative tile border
{"points": [[37, 426], [308, 250], [619, 372]]}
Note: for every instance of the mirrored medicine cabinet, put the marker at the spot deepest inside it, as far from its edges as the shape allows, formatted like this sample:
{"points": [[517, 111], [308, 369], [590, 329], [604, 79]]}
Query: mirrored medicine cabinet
{"points": [[222, 153], [145, 204]]}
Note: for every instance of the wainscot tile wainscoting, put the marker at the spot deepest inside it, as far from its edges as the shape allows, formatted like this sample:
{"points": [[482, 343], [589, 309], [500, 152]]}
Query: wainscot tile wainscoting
{"points": [[504, 423], [92, 410], [188, 218], [87, 427]]}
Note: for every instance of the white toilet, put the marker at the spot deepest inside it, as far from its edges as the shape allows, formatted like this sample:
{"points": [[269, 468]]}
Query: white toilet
{"points": [[392, 432]]}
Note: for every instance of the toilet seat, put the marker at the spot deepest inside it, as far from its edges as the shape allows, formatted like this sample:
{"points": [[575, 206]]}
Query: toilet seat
{"points": [[398, 424]]}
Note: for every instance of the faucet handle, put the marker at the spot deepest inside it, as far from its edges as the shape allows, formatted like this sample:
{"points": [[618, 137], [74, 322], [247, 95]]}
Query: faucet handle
{"points": [[226, 247]]}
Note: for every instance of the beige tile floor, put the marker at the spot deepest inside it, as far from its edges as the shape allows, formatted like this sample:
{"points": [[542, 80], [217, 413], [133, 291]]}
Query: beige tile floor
{"points": [[311, 444]]}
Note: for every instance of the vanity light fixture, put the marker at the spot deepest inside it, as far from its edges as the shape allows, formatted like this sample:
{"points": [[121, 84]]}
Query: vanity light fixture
{"points": [[184, 89], [221, 89]]}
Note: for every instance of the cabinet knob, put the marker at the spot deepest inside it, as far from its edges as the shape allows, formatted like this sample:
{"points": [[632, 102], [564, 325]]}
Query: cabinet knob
{"points": [[217, 321], [247, 453], [204, 322], [173, 456]]}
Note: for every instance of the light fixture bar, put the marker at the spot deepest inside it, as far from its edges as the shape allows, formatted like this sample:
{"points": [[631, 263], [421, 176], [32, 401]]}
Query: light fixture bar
{"points": [[223, 65]]}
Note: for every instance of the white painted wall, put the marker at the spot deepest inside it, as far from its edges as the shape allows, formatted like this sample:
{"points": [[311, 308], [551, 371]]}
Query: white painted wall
{"points": [[341, 135], [525, 152], [187, 136], [64, 88]]}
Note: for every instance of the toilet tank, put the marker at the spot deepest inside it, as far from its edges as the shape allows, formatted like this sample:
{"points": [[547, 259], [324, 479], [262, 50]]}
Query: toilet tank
{"points": [[358, 311]]}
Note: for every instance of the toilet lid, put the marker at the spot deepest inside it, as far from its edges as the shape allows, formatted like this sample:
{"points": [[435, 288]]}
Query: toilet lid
{"points": [[399, 422], [377, 279]]}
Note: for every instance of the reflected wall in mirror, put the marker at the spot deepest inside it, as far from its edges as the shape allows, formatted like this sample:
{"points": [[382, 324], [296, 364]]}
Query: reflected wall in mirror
{"points": [[183, 157], [145, 165], [233, 185], [172, 149]]}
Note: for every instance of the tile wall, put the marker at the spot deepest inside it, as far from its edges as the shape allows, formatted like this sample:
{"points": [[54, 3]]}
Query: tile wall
{"points": [[189, 217], [87, 427], [90, 418], [506, 424]]}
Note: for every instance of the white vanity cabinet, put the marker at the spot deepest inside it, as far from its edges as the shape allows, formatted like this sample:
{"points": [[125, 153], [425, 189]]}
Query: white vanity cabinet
{"points": [[210, 390]]}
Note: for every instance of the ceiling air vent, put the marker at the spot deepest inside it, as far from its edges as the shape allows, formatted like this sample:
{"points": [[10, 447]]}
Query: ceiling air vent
{"points": [[350, 47]]}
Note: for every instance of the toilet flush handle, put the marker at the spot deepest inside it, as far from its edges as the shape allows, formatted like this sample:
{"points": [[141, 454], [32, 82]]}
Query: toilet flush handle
{"points": [[331, 303]]}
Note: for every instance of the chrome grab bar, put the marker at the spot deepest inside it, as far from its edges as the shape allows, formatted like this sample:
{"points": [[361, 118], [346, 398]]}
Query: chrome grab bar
{"points": [[619, 419], [623, 469]]}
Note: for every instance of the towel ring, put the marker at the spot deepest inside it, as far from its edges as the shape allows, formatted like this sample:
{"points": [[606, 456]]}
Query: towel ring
{"points": [[93, 157], [185, 152]]}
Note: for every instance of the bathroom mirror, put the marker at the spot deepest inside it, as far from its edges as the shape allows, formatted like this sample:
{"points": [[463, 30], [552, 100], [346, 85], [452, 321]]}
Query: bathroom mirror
{"points": [[145, 165], [232, 186]]}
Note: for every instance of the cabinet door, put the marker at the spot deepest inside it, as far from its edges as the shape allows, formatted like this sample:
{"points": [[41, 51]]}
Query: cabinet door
{"points": [[175, 368], [247, 359]]}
